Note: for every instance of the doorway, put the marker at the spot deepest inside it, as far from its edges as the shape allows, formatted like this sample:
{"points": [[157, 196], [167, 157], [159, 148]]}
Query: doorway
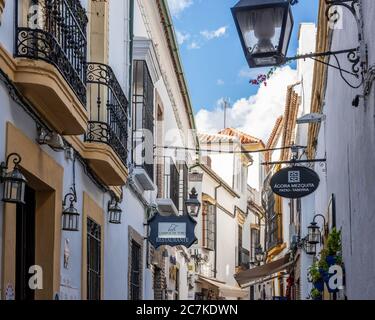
{"points": [[25, 245]]}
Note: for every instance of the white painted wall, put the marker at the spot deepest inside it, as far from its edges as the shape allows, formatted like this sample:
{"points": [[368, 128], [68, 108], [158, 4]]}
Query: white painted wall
{"points": [[349, 141]]}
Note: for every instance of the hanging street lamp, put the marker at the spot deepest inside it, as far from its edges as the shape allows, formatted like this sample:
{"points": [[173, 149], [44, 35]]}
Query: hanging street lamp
{"points": [[314, 235], [70, 215], [310, 248], [192, 204], [265, 28], [114, 211], [259, 254], [14, 181]]}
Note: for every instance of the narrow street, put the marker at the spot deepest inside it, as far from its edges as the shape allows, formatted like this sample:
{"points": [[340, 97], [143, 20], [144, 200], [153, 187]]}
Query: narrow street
{"points": [[187, 150]]}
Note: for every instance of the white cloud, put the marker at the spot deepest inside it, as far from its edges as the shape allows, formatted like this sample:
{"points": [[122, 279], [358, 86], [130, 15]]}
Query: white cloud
{"points": [[220, 82], [248, 73], [209, 35], [255, 115], [177, 6], [182, 37], [194, 45]]}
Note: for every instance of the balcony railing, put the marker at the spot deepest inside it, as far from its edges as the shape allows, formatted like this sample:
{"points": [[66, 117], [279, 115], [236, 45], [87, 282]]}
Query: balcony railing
{"points": [[244, 261], [57, 36], [108, 109], [171, 181], [143, 104], [273, 230]]}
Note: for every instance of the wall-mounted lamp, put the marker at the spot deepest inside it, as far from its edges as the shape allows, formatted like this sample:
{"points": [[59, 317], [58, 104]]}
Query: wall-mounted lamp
{"points": [[192, 204], [265, 28], [314, 235], [14, 181], [310, 248], [114, 211], [70, 215], [259, 254]]}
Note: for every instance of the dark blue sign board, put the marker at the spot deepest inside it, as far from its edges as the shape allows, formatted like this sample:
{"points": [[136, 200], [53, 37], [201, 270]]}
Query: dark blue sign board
{"points": [[294, 182], [172, 231]]}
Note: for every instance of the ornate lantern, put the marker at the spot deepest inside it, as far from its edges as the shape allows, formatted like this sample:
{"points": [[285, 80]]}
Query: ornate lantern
{"points": [[310, 248], [313, 234], [114, 211], [70, 215], [265, 28], [14, 181], [192, 204]]}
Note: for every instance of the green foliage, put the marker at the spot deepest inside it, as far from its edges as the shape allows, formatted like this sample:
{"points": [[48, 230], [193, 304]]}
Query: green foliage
{"points": [[315, 294], [322, 264], [334, 242], [314, 273]]}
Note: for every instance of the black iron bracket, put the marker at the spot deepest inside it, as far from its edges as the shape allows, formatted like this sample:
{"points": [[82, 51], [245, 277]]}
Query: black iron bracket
{"points": [[293, 162], [353, 57], [357, 57]]}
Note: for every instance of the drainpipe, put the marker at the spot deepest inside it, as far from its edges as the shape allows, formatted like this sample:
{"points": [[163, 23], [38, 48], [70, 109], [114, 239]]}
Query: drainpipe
{"points": [[131, 41], [215, 261]]}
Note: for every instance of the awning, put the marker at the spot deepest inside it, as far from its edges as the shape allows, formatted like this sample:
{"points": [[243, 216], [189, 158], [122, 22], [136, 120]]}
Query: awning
{"points": [[224, 289], [268, 269]]}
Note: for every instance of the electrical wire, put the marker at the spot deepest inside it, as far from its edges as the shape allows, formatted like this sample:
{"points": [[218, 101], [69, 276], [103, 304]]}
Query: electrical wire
{"points": [[228, 151]]}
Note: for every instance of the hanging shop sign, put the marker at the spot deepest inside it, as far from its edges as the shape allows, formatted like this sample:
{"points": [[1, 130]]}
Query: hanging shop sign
{"points": [[172, 231], [294, 182]]}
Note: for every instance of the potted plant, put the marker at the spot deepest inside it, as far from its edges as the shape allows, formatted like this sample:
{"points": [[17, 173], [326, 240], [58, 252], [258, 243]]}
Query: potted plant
{"points": [[333, 248], [316, 294], [316, 277], [323, 266]]}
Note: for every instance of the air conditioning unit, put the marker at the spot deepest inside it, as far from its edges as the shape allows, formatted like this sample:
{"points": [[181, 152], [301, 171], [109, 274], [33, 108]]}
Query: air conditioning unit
{"points": [[143, 179], [166, 207]]}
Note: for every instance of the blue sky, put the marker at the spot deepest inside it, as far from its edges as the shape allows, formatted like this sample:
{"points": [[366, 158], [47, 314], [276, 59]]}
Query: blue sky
{"points": [[212, 56]]}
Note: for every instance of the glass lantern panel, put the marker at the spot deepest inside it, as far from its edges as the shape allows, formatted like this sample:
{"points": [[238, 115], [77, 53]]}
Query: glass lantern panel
{"points": [[261, 29], [287, 34]]}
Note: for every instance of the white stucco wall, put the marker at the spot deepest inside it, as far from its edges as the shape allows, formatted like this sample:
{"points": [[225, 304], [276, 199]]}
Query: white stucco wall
{"points": [[350, 145]]}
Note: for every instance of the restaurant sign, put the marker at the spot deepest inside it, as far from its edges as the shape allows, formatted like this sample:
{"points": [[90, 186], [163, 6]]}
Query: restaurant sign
{"points": [[172, 230], [294, 182]]}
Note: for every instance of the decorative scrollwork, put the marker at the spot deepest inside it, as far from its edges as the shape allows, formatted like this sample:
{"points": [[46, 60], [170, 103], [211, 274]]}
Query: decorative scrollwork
{"points": [[354, 59], [109, 112], [333, 15], [59, 38]]}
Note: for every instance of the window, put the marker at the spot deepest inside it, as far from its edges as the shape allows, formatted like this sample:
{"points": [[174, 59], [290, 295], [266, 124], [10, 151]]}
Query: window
{"points": [[272, 206], [136, 269], [209, 226], [160, 151], [254, 241], [143, 104], [184, 192], [239, 245], [93, 260]]}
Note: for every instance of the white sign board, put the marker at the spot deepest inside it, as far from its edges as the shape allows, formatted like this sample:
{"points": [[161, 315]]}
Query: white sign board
{"points": [[171, 230]]}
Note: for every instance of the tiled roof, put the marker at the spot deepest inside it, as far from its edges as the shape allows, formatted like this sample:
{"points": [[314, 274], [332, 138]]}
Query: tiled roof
{"points": [[244, 137], [216, 138]]}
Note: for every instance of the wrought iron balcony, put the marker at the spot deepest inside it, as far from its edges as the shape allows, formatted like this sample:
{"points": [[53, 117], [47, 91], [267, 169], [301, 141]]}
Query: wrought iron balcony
{"points": [[108, 109], [169, 195], [273, 231], [244, 258], [58, 36], [143, 103]]}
